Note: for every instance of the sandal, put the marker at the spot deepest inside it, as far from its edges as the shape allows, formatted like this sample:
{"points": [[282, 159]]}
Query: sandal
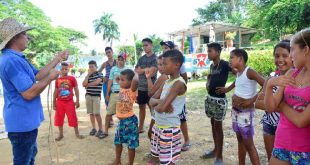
{"points": [[93, 132], [101, 134], [186, 147], [208, 155], [219, 162]]}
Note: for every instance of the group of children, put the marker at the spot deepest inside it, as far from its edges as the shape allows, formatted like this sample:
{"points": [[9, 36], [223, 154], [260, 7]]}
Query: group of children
{"points": [[284, 96]]}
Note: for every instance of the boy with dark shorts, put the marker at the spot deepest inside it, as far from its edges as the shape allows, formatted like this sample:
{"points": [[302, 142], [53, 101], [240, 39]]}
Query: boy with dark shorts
{"points": [[149, 60], [216, 102]]}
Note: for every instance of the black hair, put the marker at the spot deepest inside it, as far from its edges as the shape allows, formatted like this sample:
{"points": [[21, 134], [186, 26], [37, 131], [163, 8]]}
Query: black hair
{"points": [[175, 55], [147, 40], [64, 64], [128, 73], [108, 48], [92, 62], [285, 44], [240, 53], [216, 46]]}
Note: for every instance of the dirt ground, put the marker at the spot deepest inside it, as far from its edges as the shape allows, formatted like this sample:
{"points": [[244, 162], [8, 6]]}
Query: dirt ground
{"points": [[92, 151]]}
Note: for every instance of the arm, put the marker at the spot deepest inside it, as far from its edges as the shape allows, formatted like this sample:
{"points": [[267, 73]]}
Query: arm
{"points": [[221, 90], [184, 75], [45, 70], [134, 83], [253, 75], [109, 89], [300, 119], [94, 83], [158, 84], [85, 82], [77, 95], [259, 103], [54, 98], [102, 66], [178, 88]]}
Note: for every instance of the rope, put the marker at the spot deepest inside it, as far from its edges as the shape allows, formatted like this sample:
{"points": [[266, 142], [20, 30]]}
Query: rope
{"points": [[50, 128]]}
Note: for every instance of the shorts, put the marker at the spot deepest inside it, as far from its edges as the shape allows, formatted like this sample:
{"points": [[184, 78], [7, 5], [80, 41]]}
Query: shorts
{"points": [[93, 105], [183, 115], [65, 108], [127, 132], [166, 144], [269, 129], [143, 97], [242, 122], [111, 110], [216, 108], [298, 158]]}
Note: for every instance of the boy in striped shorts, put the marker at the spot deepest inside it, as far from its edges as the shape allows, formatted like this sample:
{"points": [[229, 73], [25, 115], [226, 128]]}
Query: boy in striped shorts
{"points": [[168, 103]]}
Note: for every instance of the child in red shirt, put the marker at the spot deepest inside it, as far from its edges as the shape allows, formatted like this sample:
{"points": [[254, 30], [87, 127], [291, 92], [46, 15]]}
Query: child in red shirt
{"points": [[64, 103]]}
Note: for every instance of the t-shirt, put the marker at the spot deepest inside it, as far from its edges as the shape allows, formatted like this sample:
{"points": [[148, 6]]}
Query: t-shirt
{"points": [[124, 106], [65, 87], [114, 73], [17, 76], [146, 62], [95, 90], [218, 77]]}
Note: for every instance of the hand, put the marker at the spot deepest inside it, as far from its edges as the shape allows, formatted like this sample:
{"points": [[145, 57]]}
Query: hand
{"points": [[63, 55], [154, 102], [261, 96], [282, 81], [148, 73], [241, 103], [170, 109], [53, 74], [90, 72], [107, 98], [77, 104], [221, 90]]}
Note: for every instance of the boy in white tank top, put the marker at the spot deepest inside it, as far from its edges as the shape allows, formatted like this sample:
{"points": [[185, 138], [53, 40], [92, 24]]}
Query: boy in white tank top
{"points": [[168, 103], [243, 104]]}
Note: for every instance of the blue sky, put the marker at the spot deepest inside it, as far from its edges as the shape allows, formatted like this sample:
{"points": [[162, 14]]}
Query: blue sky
{"points": [[143, 17]]}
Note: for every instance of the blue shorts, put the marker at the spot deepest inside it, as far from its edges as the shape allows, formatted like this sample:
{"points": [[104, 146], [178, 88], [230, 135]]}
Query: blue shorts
{"points": [[127, 132], [269, 129], [298, 158]]}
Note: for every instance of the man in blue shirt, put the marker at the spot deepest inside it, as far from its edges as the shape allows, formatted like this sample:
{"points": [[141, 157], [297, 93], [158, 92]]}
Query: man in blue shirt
{"points": [[22, 85]]}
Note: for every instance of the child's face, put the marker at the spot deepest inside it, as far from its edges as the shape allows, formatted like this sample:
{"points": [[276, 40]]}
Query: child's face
{"points": [[234, 60], [298, 56], [124, 82], [160, 66], [147, 47], [92, 67], [109, 53], [120, 61], [212, 54], [64, 70], [282, 59], [170, 67]]}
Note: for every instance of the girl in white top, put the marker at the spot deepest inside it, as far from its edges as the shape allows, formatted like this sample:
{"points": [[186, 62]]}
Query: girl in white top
{"points": [[243, 104]]}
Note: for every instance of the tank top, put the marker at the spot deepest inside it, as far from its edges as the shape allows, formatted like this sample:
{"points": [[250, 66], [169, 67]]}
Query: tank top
{"points": [[108, 68], [288, 135], [245, 88], [171, 119]]}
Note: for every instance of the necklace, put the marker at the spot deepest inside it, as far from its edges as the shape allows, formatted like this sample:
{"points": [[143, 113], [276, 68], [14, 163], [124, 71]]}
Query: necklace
{"points": [[213, 70], [300, 84]]}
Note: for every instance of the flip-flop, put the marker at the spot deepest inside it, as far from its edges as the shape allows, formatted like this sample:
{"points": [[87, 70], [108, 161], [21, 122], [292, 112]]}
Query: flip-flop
{"points": [[93, 132], [186, 147], [208, 155], [219, 162], [102, 135]]}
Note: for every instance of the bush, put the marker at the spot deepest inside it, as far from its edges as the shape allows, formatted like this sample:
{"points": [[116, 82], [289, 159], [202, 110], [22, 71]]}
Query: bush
{"points": [[82, 70], [260, 60]]}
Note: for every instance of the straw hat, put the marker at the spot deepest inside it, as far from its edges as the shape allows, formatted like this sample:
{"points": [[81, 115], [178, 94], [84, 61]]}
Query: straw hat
{"points": [[9, 28]]}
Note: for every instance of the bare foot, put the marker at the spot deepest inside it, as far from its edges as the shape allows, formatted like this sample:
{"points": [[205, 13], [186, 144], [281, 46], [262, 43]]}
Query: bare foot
{"points": [[80, 136], [59, 138], [115, 163]]}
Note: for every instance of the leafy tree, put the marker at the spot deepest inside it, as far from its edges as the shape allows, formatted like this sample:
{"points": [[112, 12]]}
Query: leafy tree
{"points": [[107, 27]]}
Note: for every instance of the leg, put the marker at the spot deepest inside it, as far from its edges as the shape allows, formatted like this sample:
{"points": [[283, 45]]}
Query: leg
{"points": [[61, 133], [241, 150], [213, 134], [275, 161], [118, 154], [131, 156], [92, 120], [24, 147], [269, 141], [99, 121], [218, 130], [107, 123], [142, 108], [150, 128], [250, 147], [77, 133], [184, 130]]}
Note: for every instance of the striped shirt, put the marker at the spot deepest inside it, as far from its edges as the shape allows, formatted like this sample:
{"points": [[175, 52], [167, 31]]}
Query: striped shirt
{"points": [[95, 90], [274, 117]]}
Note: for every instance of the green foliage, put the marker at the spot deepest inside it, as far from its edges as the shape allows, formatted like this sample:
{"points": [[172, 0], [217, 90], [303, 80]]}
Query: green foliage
{"points": [[130, 51], [260, 60], [139, 47], [230, 35], [81, 70], [46, 40], [107, 27]]}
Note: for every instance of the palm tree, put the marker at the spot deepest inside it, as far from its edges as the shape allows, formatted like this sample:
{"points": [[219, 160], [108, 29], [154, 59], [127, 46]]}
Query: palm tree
{"points": [[107, 27]]}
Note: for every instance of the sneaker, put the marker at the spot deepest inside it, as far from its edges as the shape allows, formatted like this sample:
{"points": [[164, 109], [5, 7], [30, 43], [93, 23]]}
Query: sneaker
{"points": [[93, 132]]}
